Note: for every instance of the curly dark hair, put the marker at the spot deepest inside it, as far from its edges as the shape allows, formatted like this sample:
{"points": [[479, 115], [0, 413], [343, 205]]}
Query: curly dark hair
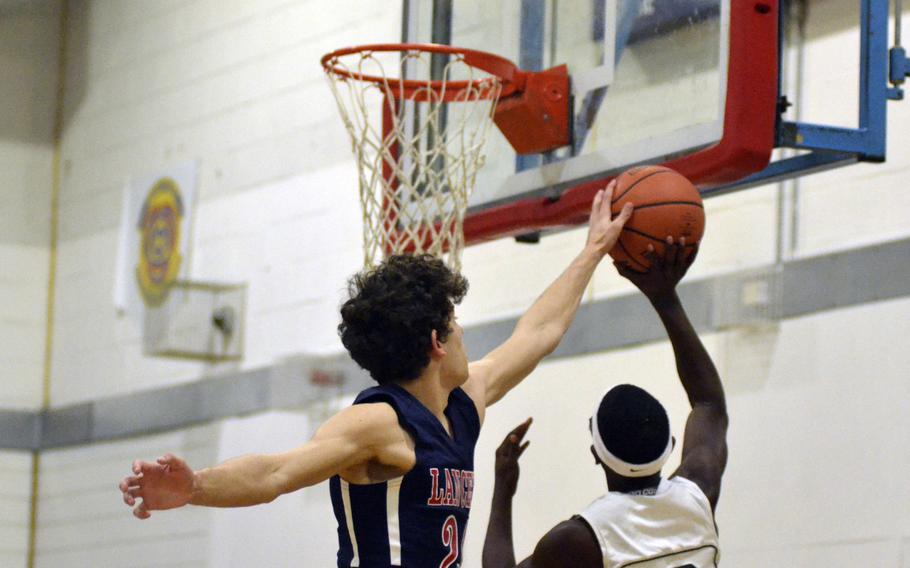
{"points": [[386, 323]]}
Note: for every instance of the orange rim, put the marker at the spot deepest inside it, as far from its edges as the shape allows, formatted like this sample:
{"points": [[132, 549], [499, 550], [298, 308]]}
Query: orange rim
{"points": [[509, 74]]}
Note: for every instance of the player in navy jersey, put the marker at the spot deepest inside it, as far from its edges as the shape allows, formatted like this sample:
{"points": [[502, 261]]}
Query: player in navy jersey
{"points": [[401, 458]]}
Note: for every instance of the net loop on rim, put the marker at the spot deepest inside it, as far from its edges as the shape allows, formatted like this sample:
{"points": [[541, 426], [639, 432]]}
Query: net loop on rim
{"points": [[418, 116]]}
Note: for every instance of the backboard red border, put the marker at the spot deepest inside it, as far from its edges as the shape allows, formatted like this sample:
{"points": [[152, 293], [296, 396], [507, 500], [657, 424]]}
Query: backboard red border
{"points": [[745, 147]]}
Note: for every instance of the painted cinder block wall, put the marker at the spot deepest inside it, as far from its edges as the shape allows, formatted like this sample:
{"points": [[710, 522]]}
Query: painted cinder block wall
{"points": [[29, 47], [236, 86]]}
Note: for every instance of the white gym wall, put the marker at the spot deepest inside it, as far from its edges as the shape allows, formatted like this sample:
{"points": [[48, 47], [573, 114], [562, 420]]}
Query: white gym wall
{"points": [[818, 405], [28, 49]]}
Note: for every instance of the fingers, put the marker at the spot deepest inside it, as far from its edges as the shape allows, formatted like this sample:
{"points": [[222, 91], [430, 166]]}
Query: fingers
{"points": [[517, 434], [626, 271], [143, 467], [523, 427], [522, 449], [624, 215], [610, 190], [130, 488], [511, 441], [608, 194], [130, 482], [170, 460], [598, 203], [141, 512], [603, 199], [671, 252], [655, 260], [692, 255], [130, 495]]}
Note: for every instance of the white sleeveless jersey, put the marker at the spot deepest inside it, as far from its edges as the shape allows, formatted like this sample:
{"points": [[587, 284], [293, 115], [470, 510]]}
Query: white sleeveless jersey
{"points": [[674, 528]]}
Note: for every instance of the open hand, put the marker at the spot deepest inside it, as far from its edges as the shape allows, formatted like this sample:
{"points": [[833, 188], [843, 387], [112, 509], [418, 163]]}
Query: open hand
{"points": [[665, 272], [603, 230], [165, 484], [507, 458]]}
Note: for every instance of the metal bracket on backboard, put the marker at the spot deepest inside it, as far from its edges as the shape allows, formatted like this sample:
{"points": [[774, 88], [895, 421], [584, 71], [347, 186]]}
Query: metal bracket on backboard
{"points": [[536, 119], [899, 71], [201, 321], [827, 147]]}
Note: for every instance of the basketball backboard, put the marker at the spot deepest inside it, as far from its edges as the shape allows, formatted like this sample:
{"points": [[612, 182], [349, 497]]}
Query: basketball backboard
{"points": [[687, 83]]}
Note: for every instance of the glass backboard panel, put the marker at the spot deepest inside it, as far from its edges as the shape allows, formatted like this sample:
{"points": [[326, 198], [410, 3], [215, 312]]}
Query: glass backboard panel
{"points": [[648, 79]]}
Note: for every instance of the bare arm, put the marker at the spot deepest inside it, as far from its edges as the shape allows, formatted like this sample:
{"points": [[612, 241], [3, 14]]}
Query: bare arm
{"points": [[498, 551], [569, 543], [541, 328], [354, 436], [704, 453]]}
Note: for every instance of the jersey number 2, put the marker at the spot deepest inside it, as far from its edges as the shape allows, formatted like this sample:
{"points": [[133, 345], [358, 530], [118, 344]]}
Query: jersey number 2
{"points": [[450, 539]]}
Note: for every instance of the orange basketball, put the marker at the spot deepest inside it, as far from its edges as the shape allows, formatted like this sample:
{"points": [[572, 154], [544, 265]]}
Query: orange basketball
{"points": [[666, 204]]}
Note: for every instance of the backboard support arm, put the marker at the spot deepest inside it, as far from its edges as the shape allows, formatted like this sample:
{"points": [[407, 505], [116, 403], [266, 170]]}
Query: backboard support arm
{"points": [[833, 146]]}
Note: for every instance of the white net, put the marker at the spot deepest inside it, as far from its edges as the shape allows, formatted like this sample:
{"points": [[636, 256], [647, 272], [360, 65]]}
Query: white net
{"points": [[418, 145]]}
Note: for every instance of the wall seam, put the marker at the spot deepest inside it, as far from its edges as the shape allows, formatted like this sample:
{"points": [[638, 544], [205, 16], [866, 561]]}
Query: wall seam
{"points": [[51, 277]]}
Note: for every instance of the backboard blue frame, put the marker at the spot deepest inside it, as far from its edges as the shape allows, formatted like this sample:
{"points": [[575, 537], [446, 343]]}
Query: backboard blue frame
{"points": [[834, 146]]}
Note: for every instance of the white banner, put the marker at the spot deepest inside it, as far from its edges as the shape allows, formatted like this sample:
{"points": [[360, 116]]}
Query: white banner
{"points": [[155, 234]]}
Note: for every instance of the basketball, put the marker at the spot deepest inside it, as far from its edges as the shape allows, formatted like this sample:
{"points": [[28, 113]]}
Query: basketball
{"points": [[666, 204]]}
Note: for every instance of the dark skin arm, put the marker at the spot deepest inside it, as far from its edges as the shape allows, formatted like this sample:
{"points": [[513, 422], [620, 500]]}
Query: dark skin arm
{"points": [[704, 453], [498, 550], [569, 543]]}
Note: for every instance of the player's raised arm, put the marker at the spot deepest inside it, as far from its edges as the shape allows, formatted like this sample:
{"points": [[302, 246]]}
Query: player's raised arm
{"points": [[704, 453], [567, 544], [354, 436], [541, 328]]}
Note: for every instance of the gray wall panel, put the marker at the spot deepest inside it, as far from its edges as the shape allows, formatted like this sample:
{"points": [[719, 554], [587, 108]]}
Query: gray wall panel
{"points": [[19, 430], [147, 411], [803, 286], [66, 426], [234, 395]]}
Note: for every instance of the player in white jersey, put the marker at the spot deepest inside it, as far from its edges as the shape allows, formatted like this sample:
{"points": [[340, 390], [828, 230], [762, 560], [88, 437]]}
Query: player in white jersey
{"points": [[644, 520]]}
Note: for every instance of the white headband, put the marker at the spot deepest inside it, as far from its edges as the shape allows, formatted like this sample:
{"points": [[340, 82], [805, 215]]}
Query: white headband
{"points": [[621, 466]]}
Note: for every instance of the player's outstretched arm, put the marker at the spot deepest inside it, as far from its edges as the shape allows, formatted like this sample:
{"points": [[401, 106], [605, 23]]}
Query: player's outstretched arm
{"points": [[704, 453], [354, 436], [569, 543], [541, 328]]}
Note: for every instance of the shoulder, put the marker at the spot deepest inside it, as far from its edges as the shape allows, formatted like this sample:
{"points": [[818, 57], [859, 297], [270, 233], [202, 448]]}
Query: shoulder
{"points": [[463, 402], [463, 409], [476, 386], [703, 470], [570, 543], [369, 423], [703, 491]]}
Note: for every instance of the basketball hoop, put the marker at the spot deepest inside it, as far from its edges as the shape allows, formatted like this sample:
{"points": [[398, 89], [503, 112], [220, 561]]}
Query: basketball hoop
{"points": [[418, 116]]}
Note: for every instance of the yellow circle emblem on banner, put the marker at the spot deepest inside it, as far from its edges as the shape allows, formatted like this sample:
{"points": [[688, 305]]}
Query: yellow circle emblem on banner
{"points": [[159, 243]]}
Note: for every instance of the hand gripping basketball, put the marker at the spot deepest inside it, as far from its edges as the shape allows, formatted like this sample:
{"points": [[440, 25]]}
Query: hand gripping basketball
{"points": [[666, 205], [665, 270], [604, 230]]}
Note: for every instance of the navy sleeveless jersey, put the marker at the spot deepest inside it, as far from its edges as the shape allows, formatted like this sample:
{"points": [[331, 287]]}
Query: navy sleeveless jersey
{"points": [[417, 520]]}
